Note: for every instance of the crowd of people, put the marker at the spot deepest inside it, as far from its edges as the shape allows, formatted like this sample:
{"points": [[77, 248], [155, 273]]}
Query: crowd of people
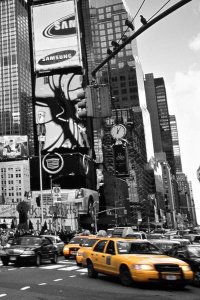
{"points": [[6, 235]]}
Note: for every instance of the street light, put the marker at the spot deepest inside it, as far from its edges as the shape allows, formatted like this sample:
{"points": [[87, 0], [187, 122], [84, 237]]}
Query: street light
{"points": [[41, 133]]}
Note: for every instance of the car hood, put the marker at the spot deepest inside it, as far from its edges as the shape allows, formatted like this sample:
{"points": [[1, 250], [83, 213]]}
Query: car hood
{"points": [[152, 259]]}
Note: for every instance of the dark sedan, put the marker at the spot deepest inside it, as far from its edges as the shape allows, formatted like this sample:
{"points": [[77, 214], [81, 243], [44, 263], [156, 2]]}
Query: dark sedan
{"points": [[191, 255], [29, 249]]}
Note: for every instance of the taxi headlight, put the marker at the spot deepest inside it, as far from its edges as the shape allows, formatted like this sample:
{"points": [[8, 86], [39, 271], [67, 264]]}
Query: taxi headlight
{"points": [[79, 253], [185, 268], [142, 267]]}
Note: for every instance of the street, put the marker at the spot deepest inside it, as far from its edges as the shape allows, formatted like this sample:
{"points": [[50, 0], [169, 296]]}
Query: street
{"points": [[68, 281]]}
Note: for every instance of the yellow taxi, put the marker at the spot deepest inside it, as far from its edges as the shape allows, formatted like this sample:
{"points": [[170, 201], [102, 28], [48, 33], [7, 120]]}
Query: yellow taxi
{"points": [[81, 254], [135, 260], [70, 249]]}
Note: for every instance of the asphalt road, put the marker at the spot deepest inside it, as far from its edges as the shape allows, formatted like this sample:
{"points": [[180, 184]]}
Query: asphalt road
{"points": [[67, 281]]}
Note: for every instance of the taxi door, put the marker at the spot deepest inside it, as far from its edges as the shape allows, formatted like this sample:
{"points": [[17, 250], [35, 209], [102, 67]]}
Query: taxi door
{"points": [[110, 265], [98, 255]]}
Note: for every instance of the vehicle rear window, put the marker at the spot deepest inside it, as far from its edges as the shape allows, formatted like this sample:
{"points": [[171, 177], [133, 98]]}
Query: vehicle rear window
{"points": [[26, 241], [89, 242], [77, 240]]}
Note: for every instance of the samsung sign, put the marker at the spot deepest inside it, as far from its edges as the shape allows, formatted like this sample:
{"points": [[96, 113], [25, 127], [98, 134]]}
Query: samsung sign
{"points": [[57, 57], [61, 28], [60, 23]]}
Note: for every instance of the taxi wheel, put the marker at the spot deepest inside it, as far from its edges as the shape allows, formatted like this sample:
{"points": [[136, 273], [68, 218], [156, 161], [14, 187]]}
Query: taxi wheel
{"points": [[66, 256], [125, 276], [91, 271], [38, 260], [55, 258]]}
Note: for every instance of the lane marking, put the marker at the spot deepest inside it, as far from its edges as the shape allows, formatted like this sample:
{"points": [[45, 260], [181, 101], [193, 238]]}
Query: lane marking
{"points": [[59, 279], [3, 295], [12, 269], [69, 268], [72, 276], [25, 288], [43, 283], [51, 267], [83, 270], [67, 262]]}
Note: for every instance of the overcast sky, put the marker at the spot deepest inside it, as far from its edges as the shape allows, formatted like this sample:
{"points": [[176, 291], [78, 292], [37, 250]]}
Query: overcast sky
{"points": [[171, 49]]}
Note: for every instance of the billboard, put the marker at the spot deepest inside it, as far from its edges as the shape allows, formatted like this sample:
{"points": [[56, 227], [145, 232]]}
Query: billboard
{"points": [[13, 146], [56, 36]]}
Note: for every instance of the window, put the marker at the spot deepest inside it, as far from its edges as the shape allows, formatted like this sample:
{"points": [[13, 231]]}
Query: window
{"points": [[100, 246], [110, 248]]}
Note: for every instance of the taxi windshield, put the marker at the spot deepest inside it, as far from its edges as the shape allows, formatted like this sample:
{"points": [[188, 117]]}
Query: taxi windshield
{"points": [[137, 248]]}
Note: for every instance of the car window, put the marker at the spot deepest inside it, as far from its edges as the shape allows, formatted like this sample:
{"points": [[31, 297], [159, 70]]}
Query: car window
{"points": [[77, 240], [137, 248], [100, 246], [26, 241], [89, 243], [110, 248]]}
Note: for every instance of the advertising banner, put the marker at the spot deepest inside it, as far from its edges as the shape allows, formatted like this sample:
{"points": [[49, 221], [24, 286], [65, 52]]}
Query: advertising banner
{"points": [[13, 146], [56, 37]]}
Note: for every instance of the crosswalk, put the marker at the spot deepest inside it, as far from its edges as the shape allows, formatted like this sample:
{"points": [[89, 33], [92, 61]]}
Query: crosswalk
{"points": [[62, 265]]}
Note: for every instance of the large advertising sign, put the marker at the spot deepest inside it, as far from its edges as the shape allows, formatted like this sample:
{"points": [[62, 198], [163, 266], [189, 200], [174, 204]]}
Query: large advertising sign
{"points": [[56, 37], [13, 146]]}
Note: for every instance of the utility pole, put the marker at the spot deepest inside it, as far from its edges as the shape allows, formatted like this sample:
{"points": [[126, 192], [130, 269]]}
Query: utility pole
{"points": [[137, 33]]}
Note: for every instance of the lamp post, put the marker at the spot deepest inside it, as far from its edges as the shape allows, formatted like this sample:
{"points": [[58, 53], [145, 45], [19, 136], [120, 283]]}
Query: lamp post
{"points": [[41, 133]]}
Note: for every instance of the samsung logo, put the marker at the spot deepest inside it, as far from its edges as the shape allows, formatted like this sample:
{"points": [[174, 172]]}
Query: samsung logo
{"points": [[57, 57], [61, 28]]}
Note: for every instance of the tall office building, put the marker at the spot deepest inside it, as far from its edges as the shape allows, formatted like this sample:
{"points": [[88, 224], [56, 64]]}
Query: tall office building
{"points": [[175, 142], [123, 72], [124, 75], [160, 121], [15, 75]]}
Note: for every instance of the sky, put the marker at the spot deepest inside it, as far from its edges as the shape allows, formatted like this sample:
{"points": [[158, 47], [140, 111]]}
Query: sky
{"points": [[171, 49]]}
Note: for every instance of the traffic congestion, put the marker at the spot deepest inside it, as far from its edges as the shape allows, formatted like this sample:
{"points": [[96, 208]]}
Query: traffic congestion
{"points": [[132, 256]]}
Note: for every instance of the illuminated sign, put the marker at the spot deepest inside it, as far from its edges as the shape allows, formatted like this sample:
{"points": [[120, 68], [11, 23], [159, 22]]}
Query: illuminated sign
{"points": [[63, 27], [66, 51], [53, 164], [57, 57]]}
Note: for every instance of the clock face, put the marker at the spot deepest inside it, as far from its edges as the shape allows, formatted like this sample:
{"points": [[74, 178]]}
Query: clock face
{"points": [[118, 131]]}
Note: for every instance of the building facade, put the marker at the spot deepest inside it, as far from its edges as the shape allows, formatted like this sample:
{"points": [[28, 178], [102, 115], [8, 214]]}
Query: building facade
{"points": [[16, 116], [124, 75]]}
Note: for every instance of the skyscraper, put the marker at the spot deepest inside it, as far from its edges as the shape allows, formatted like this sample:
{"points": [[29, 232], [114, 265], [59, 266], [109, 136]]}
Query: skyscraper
{"points": [[175, 142], [160, 121], [15, 75], [124, 75]]}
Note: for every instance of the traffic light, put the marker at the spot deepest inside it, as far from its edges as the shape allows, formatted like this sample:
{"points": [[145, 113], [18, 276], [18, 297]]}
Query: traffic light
{"points": [[38, 201], [84, 104]]}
